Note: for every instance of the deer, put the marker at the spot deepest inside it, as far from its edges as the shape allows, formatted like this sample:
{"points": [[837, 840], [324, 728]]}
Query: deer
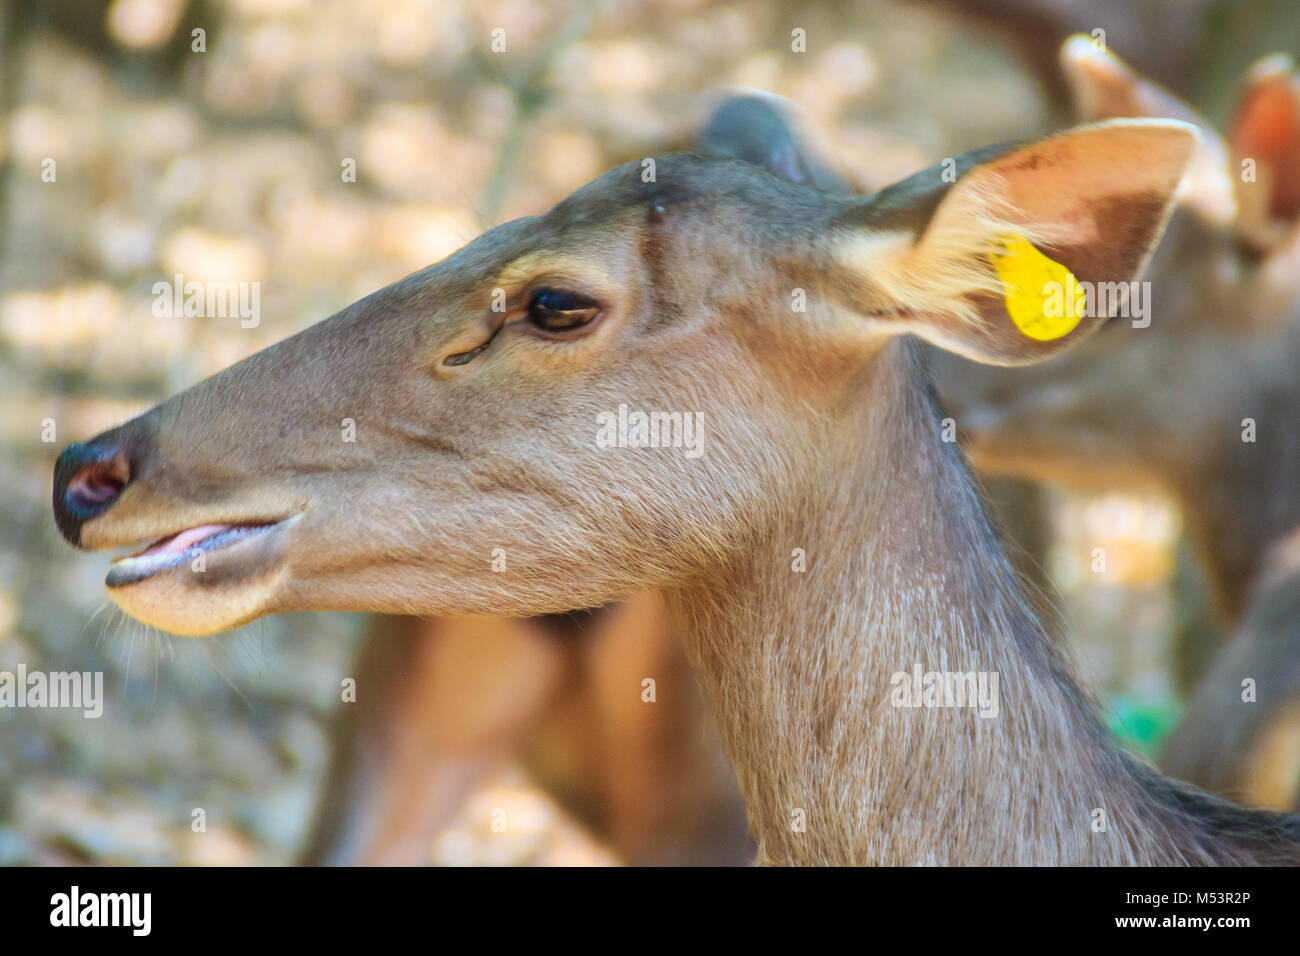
{"points": [[675, 287], [1173, 405], [447, 701], [442, 703]]}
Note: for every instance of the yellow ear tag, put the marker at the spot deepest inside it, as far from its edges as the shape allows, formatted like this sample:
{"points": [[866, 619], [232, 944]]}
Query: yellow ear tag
{"points": [[1043, 297]]}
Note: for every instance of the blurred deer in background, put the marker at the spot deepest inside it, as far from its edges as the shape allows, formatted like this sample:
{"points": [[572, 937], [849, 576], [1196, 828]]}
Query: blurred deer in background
{"points": [[1167, 32], [444, 702], [1205, 403]]}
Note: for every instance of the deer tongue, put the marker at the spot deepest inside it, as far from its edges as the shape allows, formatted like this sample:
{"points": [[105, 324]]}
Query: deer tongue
{"points": [[183, 541]]}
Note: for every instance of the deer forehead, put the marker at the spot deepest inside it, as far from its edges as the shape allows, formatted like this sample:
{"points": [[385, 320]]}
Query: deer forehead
{"points": [[622, 230]]}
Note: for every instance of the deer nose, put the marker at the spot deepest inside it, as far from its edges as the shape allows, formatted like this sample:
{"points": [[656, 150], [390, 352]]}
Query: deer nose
{"points": [[88, 478]]}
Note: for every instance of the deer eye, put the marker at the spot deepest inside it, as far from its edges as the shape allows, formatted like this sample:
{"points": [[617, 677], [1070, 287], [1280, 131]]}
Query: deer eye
{"points": [[555, 310]]}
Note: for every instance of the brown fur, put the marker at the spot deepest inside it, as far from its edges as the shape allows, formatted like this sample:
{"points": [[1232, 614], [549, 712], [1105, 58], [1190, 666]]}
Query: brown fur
{"points": [[798, 667]]}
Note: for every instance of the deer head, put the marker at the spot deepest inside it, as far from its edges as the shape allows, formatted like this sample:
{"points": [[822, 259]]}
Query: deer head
{"points": [[478, 387]]}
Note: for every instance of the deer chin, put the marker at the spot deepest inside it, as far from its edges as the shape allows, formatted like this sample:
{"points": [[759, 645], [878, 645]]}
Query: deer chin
{"points": [[204, 579]]}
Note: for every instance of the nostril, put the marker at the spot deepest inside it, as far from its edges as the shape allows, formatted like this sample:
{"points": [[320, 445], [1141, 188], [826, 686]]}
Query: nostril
{"points": [[96, 484], [88, 478], [97, 480]]}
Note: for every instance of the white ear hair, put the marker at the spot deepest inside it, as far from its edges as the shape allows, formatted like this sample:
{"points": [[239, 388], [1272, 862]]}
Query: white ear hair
{"points": [[984, 266], [1048, 193], [944, 271]]}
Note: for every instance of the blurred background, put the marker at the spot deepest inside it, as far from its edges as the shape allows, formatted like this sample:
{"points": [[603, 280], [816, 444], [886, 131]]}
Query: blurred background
{"points": [[218, 155]]}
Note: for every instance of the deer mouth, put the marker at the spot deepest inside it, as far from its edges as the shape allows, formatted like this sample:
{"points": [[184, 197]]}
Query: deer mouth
{"points": [[184, 547]]}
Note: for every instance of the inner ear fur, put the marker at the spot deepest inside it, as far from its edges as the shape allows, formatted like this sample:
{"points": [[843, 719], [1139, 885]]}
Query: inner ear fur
{"points": [[1092, 200]]}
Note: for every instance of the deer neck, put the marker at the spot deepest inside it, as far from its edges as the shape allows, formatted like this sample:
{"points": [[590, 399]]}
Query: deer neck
{"points": [[903, 568]]}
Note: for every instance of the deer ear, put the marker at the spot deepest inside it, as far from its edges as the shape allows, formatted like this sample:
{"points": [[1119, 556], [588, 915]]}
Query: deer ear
{"points": [[997, 265], [1103, 87], [1265, 136], [758, 129]]}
